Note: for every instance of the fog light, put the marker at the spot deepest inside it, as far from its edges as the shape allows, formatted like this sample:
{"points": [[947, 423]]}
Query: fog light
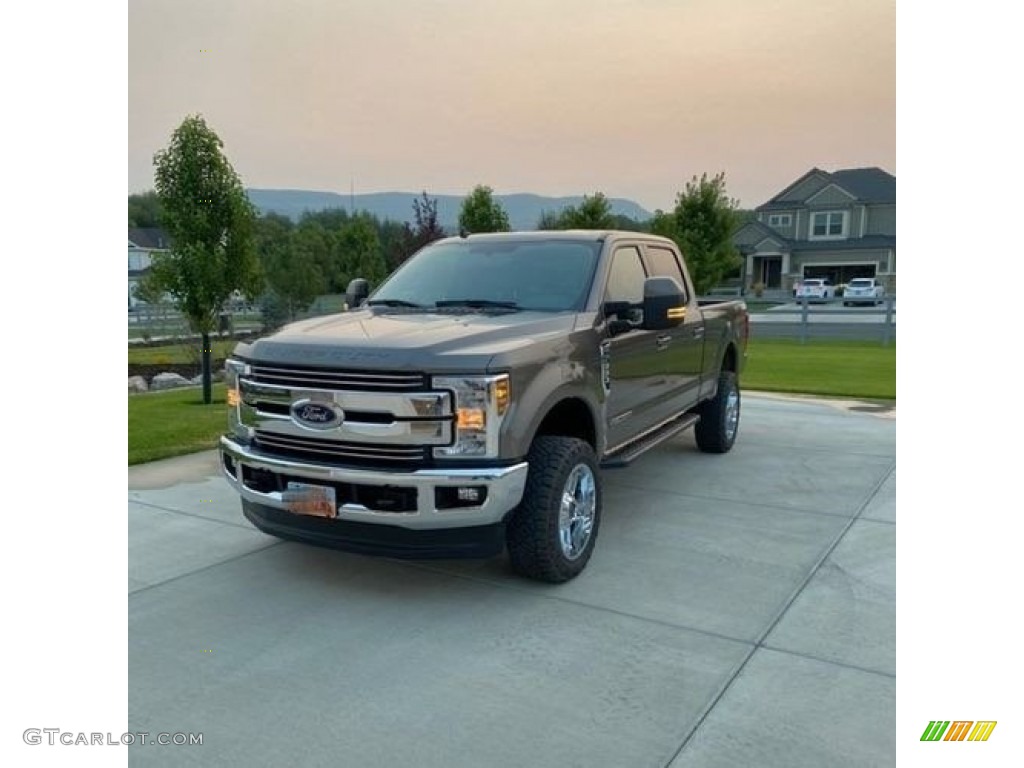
{"points": [[456, 497], [469, 494]]}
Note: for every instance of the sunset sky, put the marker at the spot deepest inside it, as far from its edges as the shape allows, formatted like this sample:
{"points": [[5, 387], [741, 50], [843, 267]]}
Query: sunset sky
{"points": [[627, 97]]}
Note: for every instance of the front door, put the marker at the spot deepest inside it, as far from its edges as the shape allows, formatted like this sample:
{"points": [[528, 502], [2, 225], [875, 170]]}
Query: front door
{"points": [[635, 378]]}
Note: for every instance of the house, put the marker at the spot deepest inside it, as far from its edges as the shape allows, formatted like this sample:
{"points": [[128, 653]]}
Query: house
{"points": [[142, 244], [834, 224]]}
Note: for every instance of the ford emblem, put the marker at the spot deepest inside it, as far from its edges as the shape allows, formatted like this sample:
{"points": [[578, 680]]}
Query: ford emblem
{"points": [[306, 413]]}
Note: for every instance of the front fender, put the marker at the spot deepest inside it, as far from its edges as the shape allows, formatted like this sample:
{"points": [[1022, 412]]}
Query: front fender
{"points": [[537, 390]]}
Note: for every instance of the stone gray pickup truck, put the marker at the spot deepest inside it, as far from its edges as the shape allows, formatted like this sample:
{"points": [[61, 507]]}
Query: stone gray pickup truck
{"points": [[474, 399]]}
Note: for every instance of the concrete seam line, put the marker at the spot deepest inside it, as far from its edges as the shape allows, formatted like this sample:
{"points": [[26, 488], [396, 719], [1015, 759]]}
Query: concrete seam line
{"points": [[598, 608], [205, 568], [759, 643], [844, 664], [778, 507], [871, 495], [243, 526]]}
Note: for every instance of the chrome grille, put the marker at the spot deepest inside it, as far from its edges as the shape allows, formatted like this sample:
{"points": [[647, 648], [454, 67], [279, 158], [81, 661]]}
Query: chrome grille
{"points": [[290, 445], [332, 378]]}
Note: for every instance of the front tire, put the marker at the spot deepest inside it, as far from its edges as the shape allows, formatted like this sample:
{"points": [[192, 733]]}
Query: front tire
{"points": [[720, 416], [552, 533]]}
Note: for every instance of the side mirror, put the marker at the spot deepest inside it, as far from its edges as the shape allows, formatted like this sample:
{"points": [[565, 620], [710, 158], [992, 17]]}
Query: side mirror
{"points": [[356, 293], [622, 316], [664, 303]]}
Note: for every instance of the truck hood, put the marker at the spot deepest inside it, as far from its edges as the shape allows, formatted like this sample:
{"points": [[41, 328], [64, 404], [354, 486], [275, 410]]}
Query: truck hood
{"points": [[415, 341]]}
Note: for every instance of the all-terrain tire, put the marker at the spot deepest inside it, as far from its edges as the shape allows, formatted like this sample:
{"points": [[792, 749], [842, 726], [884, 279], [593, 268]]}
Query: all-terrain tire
{"points": [[713, 431], [533, 531]]}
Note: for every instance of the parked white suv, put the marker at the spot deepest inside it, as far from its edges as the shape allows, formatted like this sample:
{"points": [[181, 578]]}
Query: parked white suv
{"points": [[816, 288], [863, 290]]}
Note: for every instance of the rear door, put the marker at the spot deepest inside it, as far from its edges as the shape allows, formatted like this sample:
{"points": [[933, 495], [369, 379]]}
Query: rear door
{"points": [[682, 347], [635, 374]]}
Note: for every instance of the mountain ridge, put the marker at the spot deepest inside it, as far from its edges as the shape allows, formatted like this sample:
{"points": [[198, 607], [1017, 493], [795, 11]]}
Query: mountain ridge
{"points": [[524, 208]]}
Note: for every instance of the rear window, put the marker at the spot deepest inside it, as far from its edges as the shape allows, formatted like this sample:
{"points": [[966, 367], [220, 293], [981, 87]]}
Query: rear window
{"points": [[812, 282], [862, 283]]}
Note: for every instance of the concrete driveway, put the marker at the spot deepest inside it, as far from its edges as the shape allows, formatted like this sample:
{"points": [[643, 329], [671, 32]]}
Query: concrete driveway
{"points": [[739, 610]]}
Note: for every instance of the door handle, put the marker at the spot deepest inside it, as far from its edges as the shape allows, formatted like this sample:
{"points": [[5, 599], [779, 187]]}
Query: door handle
{"points": [[697, 332], [663, 341]]}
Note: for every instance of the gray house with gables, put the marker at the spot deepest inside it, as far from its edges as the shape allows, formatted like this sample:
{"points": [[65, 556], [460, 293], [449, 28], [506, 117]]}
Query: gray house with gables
{"points": [[834, 224]]}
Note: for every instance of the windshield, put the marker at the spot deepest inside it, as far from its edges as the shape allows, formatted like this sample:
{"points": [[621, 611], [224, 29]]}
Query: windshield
{"points": [[813, 283], [861, 283], [546, 275]]}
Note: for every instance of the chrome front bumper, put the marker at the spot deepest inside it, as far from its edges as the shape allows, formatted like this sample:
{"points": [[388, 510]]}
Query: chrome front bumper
{"points": [[504, 487]]}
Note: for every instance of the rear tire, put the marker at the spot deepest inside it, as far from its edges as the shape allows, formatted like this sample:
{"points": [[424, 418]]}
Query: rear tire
{"points": [[552, 533], [720, 417]]}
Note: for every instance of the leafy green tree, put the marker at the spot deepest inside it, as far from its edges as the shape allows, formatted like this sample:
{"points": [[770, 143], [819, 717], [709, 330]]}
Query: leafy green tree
{"points": [[320, 247], [702, 224], [361, 255], [211, 226], [292, 272], [394, 239], [595, 212], [144, 209], [482, 213]]}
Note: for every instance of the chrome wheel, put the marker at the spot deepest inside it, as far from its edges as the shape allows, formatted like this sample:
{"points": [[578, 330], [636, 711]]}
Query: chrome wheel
{"points": [[577, 512], [732, 413]]}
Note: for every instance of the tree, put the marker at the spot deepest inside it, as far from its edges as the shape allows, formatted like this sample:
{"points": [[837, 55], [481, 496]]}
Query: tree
{"points": [[482, 213], [290, 266], [702, 224], [595, 212], [211, 227], [549, 220], [427, 229], [144, 210], [321, 246], [360, 251]]}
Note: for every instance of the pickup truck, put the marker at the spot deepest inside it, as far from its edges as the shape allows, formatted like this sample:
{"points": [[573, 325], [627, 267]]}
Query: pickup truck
{"points": [[472, 402]]}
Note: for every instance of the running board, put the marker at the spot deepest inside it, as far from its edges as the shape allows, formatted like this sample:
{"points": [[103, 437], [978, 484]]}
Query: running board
{"points": [[632, 451]]}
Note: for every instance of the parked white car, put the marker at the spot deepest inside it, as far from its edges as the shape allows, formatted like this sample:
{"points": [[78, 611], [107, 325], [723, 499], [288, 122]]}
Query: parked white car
{"points": [[816, 288], [863, 290]]}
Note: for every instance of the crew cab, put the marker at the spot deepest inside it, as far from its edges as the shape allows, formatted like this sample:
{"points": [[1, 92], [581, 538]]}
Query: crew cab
{"points": [[475, 399]]}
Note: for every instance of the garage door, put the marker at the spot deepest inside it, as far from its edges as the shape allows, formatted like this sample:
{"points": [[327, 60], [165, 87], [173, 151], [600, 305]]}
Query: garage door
{"points": [[841, 273]]}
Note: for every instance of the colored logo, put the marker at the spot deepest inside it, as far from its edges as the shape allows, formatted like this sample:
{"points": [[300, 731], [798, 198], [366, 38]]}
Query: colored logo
{"points": [[959, 730], [316, 415]]}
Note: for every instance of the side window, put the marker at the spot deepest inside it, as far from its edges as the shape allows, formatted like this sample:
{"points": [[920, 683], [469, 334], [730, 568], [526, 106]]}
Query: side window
{"points": [[626, 279], [663, 263]]}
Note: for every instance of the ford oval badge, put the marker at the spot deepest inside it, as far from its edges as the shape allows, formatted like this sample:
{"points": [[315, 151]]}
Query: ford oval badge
{"points": [[306, 413]]}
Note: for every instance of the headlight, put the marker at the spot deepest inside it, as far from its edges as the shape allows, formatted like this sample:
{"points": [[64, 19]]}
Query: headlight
{"points": [[481, 403]]}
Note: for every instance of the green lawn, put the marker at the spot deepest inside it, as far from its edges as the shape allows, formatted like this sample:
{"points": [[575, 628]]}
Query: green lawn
{"points": [[839, 368], [178, 353], [164, 424]]}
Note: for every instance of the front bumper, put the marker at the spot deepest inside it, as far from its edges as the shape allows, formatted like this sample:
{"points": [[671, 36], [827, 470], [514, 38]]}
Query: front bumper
{"points": [[503, 485]]}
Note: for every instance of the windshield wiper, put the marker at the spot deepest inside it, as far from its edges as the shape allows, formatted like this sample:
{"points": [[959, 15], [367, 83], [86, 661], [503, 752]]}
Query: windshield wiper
{"points": [[394, 303], [478, 304]]}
